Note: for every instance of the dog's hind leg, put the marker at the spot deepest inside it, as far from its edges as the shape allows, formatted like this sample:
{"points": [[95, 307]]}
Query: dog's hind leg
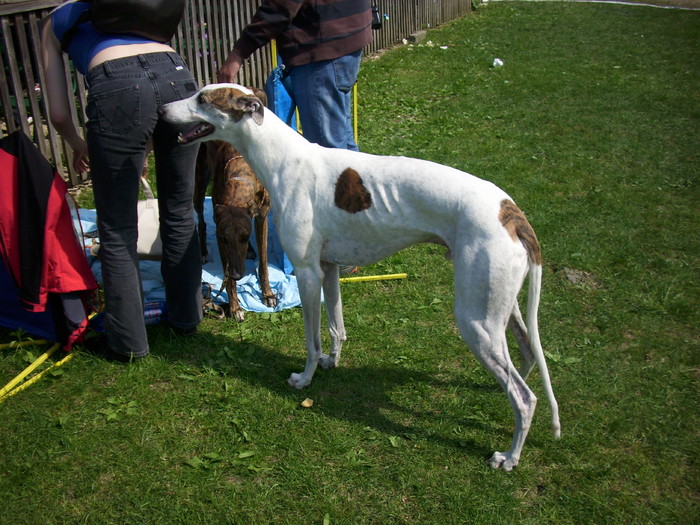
{"points": [[309, 281], [490, 347], [334, 312], [482, 313], [519, 331]]}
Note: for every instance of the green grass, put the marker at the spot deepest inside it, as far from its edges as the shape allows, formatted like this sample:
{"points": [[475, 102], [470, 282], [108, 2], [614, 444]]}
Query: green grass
{"points": [[592, 126]]}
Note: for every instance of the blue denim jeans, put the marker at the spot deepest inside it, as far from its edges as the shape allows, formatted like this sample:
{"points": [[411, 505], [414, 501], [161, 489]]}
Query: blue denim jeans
{"points": [[123, 98], [321, 92]]}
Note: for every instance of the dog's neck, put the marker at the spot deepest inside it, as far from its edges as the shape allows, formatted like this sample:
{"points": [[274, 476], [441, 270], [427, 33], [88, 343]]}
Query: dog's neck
{"points": [[270, 147]]}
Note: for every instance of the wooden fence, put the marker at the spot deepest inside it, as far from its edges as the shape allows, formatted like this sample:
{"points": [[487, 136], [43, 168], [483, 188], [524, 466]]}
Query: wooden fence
{"points": [[207, 33]]}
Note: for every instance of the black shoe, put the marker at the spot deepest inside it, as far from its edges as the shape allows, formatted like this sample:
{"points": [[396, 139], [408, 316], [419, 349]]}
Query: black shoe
{"points": [[97, 346], [183, 331]]}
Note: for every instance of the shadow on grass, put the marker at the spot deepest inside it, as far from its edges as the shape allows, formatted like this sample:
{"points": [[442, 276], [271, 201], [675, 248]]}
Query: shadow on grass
{"points": [[364, 395]]}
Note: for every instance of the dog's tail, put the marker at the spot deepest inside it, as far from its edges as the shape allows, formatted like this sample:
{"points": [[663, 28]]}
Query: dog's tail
{"points": [[519, 228], [533, 303]]}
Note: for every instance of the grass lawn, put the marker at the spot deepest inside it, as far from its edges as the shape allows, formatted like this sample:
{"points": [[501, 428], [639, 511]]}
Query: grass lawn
{"points": [[592, 125]]}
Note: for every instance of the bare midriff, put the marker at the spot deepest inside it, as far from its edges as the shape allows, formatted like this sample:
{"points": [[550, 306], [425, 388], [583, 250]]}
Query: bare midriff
{"points": [[127, 51]]}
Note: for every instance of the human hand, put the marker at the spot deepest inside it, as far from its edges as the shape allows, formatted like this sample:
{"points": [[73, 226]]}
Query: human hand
{"points": [[229, 69], [81, 162]]}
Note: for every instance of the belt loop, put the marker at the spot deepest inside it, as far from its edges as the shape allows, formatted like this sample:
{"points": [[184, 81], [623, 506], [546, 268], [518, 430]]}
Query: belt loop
{"points": [[174, 58], [143, 60], [105, 67]]}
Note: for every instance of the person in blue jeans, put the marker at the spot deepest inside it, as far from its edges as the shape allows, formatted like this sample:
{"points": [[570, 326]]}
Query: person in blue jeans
{"points": [[128, 78], [321, 45]]}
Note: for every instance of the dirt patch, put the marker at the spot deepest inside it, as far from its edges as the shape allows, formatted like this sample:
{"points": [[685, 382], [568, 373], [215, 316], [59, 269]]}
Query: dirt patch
{"points": [[582, 278]]}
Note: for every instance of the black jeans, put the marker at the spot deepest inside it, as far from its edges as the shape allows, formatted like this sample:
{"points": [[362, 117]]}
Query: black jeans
{"points": [[123, 98]]}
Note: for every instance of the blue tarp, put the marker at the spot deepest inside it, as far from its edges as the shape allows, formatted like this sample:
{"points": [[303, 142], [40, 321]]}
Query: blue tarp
{"points": [[278, 99], [282, 282]]}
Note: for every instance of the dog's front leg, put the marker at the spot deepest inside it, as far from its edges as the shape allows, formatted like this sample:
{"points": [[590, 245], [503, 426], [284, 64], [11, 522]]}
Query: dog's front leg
{"points": [[202, 175], [309, 282], [268, 296], [334, 311], [234, 306]]}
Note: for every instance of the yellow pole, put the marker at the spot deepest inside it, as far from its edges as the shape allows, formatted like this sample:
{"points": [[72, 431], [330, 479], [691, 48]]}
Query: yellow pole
{"points": [[5, 392], [354, 112], [16, 344], [43, 357], [37, 377], [373, 277]]}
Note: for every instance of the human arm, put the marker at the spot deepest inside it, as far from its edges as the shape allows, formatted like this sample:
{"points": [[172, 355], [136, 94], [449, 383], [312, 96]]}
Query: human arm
{"points": [[229, 69], [271, 19], [58, 98]]}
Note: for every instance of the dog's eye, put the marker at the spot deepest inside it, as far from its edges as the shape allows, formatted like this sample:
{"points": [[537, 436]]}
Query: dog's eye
{"points": [[200, 99]]}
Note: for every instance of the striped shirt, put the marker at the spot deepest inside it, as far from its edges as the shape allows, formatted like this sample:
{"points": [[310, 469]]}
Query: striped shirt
{"points": [[308, 30]]}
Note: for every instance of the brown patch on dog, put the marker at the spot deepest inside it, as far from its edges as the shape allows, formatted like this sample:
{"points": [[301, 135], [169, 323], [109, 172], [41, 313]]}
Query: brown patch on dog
{"points": [[221, 98], [260, 94], [234, 102], [518, 227], [350, 193]]}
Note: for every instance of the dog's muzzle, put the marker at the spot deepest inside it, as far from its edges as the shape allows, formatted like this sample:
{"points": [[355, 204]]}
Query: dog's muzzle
{"points": [[199, 131], [196, 132]]}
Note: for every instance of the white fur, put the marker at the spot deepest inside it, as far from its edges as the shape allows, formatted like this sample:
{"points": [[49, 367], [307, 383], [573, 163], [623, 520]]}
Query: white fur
{"points": [[413, 201]]}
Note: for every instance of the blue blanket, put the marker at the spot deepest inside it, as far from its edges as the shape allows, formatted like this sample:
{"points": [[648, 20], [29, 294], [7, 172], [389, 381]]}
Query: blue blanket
{"points": [[282, 282]]}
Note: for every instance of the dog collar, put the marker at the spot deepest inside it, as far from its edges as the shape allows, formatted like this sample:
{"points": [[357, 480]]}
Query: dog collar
{"points": [[236, 157], [244, 179]]}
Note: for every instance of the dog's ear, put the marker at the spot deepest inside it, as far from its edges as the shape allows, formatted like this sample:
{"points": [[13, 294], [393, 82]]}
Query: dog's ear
{"points": [[252, 105], [260, 94]]}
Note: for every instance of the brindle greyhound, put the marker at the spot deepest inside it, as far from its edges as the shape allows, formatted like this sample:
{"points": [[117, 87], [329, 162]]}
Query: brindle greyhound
{"points": [[239, 199]]}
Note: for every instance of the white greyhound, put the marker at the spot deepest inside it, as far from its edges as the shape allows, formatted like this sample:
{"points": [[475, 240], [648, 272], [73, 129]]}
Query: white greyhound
{"points": [[342, 207]]}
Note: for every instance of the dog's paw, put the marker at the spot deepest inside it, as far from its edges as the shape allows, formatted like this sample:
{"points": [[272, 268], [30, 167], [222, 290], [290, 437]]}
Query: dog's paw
{"points": [[499, 460], [238, 315], [298, 381], [270, 301], [327, 362]]}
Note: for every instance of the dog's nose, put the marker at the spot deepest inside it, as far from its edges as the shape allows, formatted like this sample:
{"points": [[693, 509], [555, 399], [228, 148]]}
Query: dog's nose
{"points": [[161, 111]]}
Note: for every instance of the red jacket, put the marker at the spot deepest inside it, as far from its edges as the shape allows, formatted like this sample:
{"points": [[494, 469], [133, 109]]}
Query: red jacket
{"points": [[37, 241]]}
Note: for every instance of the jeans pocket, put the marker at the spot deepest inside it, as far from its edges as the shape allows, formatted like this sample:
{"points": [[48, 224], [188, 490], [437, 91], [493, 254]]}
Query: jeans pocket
{"points": [[116, 112], [346, 70]]}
